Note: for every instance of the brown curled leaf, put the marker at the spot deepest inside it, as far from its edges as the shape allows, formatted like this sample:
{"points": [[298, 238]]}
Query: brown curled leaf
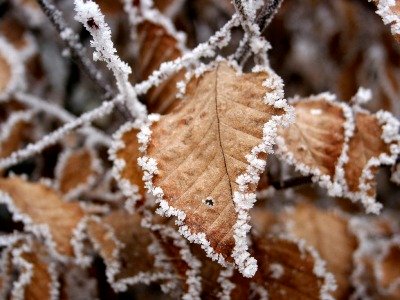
{"points": [[201, 148], [42, 211], [124, 246], [316, 138], [124, 154], [76, 171], [328, 233], [287, 270], [341, 146], [388, 271], [366, 143], [14, 132], [157, 45], [43, 283]]}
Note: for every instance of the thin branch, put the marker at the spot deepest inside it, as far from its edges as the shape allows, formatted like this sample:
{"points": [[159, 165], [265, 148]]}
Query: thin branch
{"points": [[89, 14], [291, 182], [62, 115], [206, 49], [77, 50], [78, 53], [58, 134], [263, 19]]}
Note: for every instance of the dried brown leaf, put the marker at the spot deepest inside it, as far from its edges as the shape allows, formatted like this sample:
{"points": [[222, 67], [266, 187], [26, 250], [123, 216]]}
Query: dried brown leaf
{"points": [[14, 132], [42, 211], [341, 146], [390, 15], [366, 143], [124, 154], [42, 281], [157, 45], [316, 138], [77, 170], [328, 233], [201, 148], [289, 271], [125, 247], [389, 271]]}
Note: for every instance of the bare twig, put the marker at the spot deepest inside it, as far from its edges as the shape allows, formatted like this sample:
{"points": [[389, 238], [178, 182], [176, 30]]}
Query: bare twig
{"points": [[62, 115], [78, 53], [55, 136], [263, 19]]}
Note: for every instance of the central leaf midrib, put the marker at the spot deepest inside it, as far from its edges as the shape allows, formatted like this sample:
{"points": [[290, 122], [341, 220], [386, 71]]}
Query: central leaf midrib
{"points": [[219, 129]]}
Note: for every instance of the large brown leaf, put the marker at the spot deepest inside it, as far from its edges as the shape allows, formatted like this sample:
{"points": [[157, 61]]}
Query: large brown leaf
{"points": [[209, 153], [43, 212]]}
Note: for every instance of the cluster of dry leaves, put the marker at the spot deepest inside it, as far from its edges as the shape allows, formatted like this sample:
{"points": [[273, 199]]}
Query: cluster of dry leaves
{"points": [[166, 206]]}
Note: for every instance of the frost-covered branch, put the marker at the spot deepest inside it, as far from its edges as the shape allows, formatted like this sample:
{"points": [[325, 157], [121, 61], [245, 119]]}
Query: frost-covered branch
{"points": [[206, 49], [58, 134], [78, 53], [76, 49], [263, 19], [89, 14], [62, 115]]}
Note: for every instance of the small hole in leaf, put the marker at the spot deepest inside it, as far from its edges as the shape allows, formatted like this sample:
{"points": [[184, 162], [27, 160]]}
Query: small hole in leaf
{"points": [[209, 201]]}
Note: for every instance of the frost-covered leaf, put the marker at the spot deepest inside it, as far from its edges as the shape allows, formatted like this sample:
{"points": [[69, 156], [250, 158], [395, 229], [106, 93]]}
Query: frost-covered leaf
{"points": [[366, 146], [316, 138], [13, 131], [14, 31], [43, 212], [328, 233], [129, 250], [290, 270], [388, 271], [376, 258], [390, 14], [159, 42], [341, 146], [204, 158], [124, 154], [32, 273], [178, 252], [43, 283], [76, 171]]}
